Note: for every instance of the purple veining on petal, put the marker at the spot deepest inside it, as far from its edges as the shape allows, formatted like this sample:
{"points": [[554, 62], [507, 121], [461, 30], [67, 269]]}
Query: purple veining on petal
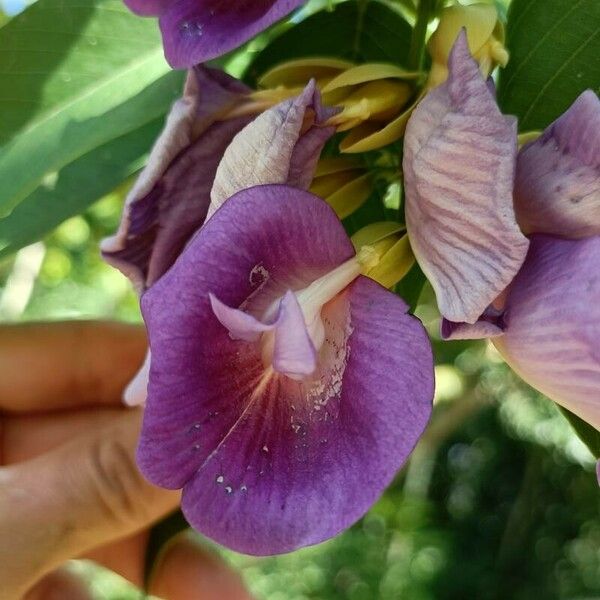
{"points": [[282, 145], [170, 199], [270, 463], [195, 31], [553, 323], [459, 157], [557, 186]]}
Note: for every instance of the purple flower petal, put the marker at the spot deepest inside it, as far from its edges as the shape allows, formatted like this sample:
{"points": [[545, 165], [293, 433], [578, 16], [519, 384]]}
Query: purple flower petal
{"points": [[490, 324], [195, 31], [147, 8], [553, 323], [293, 353], [557, 187], [269, 463], [282, 145], [170, 199], [459, 156]]}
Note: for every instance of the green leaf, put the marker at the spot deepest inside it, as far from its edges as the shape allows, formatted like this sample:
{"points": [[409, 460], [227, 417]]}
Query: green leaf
{"points": [[76, 74], [555, 55], [357, 31], [76, 187], [589, 435]]}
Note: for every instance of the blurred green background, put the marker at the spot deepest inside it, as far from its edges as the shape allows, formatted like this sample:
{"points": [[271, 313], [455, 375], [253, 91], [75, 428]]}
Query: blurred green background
{"points": [[499, 500]]}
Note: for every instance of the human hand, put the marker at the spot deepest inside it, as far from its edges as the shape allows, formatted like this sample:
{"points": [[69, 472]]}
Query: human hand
{"points": [[69, 485]]}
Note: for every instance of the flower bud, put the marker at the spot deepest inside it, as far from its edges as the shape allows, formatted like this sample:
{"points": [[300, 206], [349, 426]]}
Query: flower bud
{"points": [[390, 243], [485, 34]]}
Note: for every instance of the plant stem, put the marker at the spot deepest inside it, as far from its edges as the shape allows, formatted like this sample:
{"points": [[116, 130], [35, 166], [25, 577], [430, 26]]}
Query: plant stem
{"points": [[417, 42]]}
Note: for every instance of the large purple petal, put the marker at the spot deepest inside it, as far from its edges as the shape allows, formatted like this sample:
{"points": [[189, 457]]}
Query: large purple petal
{"points": [[459, 156], [195, 31], [170, 199], [269, 464], [147, 8], [282, 145], [557, 187], [553, 323]]}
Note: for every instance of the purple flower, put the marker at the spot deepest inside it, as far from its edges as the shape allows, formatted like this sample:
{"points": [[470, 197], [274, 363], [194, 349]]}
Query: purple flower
{"points": [[286, 389], [195, 31], [466, 189], [192, 170]]}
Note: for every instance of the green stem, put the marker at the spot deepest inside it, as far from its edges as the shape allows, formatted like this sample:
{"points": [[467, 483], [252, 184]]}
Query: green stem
{"points": [[417, 42]]}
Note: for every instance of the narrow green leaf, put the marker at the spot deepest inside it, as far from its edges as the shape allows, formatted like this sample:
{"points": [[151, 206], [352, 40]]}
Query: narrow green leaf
{"points": [[357, 31], [76, 74], [76, 187], [555, 55]]}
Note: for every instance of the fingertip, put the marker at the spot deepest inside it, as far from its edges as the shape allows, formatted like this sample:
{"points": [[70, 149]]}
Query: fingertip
{"points": [[187, 570], [61, 584]]}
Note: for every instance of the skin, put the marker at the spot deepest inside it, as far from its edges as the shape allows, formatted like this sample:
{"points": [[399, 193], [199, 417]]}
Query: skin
{"points": [[69, 485]]}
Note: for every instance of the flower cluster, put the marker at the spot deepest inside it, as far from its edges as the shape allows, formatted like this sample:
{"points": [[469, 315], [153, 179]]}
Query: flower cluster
{"points": [[286, 384]]}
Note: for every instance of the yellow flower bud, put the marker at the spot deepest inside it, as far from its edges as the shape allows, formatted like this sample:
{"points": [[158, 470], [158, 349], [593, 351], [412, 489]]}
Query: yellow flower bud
{"points": [[392, 248], [485, 34], [344, 183]]}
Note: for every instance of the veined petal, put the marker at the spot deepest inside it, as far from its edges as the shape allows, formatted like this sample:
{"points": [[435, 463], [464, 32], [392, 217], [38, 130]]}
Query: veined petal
{"points": [[196, 31], [553, 323], [282, 145], [170, 199], [557, 187], [260, 454], [459, 156]]}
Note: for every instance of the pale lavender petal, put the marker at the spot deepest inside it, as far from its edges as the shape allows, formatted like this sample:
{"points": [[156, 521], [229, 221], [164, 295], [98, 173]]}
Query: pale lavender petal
{"points": [[170, 199], [269, 463], [294, 353], [459, 156], [241, 325], [557, 187], [195, 31], [137, 389], [490, 324], [282, 145], [553, 323]]}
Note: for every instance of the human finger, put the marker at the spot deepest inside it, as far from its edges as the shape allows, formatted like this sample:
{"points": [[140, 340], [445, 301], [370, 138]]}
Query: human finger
{"points": [[49, 366]]}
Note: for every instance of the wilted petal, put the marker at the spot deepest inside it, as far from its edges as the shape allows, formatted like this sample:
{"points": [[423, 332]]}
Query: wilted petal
{"points": [[557, 188], [170, 199], [270, 463], [553, 323], [195, 31], [282, 145], [459, 156]]}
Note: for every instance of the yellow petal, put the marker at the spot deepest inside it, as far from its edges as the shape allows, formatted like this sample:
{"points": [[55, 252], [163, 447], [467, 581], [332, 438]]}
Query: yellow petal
{"points": [[351, 197], [326, 185], [335, 164], [480, 21], [374, 100], [369, 72], [299, 72], [394, 264], [375, 232], [370, 137]]}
